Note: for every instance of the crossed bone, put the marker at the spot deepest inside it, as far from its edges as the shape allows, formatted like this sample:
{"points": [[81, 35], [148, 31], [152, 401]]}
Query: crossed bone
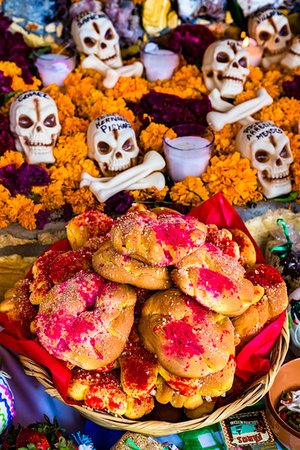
{"points": [[111, 76], [227, 113], [138, 177]]}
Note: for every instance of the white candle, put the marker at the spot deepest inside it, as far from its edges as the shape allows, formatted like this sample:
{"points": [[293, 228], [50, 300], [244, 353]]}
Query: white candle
{"points": [[159, 63], [54, 68], [254, 50], [187, 155]]}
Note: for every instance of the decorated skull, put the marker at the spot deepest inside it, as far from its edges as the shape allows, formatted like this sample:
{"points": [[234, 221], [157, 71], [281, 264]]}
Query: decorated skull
{"points": [[225, 67], [268, 149], [112, 143], [35, 126], [270, 28], [94, 34], [292, 57]]}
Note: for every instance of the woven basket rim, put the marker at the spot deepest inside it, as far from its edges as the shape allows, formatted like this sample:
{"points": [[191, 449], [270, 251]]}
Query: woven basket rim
{"points": [[252, 395]]}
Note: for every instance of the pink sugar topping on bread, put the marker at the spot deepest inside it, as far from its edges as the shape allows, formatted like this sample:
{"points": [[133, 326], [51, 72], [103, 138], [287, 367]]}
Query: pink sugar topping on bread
{"points": [[215, 283], [182, 341]]}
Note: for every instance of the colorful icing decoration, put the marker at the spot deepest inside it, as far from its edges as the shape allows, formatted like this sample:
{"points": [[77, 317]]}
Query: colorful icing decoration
{"points": [[7, 403]]}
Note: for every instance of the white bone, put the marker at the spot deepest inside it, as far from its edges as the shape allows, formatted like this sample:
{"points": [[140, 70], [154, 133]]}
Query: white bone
{"points": [[156, 179], [153, 161], [217, 120], [217, 102], [111, 76]]}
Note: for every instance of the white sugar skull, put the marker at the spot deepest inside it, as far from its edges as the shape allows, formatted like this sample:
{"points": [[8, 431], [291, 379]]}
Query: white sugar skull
{"points": [[270, 28], [292, 57], [35, 126], [112, 143], [225, 67], [268, 149], [94, 34]]}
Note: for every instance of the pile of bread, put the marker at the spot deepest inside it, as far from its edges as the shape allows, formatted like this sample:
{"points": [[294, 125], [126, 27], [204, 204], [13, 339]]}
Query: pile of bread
{"points": [[148, 309]]}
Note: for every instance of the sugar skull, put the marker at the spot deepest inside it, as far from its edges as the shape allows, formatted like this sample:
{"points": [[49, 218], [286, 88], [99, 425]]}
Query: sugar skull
{"points": [[225, 67], [112, 143], [35, 126], [292, 56], [94, 34], [268, 149], [270, 28]]}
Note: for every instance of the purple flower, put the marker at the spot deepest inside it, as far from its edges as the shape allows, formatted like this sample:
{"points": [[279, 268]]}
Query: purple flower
{"points": [[6, 141], [193, 41], [171, 110], [180, 208], [5, 84], [5, 22], [118, 203], [21, 180], [41, 218], [292, 88]]}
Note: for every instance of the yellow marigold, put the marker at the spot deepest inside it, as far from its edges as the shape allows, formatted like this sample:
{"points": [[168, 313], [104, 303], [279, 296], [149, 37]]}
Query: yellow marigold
{"points": [[19, 84], [90, 167], [67, 175], [81, 200], [50, 197], [112, 106], [284, 112], [11, 157], [72, 125], [152, 137], [153, 194], [296, 176], [70, 149], [65, 106], [271, 80], [224, 143], [187, 82], [23, 210], [295, 146], [189, 192], [4, 207], [233, 176], [10, 69], [129, 88]]}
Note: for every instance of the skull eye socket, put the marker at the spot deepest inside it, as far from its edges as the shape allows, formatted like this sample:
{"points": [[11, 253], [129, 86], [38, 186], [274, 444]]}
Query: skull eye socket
{"points": [[128, 145], [222, 57], [284, 31], [262, 156], [25, 121], [103, 148], [264, 36], [109, 34], [89, 42], [50, 121], [285, 152], [243, 62]]}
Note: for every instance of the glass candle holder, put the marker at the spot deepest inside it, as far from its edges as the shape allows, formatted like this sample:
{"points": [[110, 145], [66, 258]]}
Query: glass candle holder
{"points": [[55, 67], [159, 62], [188, 153]]}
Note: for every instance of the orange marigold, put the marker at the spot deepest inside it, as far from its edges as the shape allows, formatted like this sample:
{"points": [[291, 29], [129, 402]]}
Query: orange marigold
{"points": [[189, 192]]}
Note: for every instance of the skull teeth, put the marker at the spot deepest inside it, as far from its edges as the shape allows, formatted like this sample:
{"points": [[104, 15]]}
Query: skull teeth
{"points": [[109, 58], [232, 78], [293, 52], [281, 177]]}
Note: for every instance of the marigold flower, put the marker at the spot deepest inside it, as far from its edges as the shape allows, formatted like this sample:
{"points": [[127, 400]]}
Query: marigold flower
{"points": [[152, 137], [189, 192], [233, 176], [11, 157]]}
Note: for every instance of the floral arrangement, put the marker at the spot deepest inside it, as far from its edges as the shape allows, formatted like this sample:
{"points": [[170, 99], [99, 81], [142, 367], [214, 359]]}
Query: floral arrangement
{"points": [[33, 196]]}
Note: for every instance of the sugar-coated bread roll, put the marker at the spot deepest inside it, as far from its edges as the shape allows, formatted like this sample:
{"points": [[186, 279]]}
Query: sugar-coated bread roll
{"points": [[216, 281], [120, 268], [86, 320], [222, 238], [189, 340], [247, 249], [274, 286], [273, 303], [87, 225], [158, 240], [103, 391], [138, 368]]}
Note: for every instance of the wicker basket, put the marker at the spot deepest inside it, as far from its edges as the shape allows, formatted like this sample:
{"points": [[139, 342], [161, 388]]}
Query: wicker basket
{"points": [[159, 428]]}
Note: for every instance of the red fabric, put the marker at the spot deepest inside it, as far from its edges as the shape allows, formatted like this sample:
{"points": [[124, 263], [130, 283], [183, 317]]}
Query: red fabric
{"points": [[251, 360]]}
